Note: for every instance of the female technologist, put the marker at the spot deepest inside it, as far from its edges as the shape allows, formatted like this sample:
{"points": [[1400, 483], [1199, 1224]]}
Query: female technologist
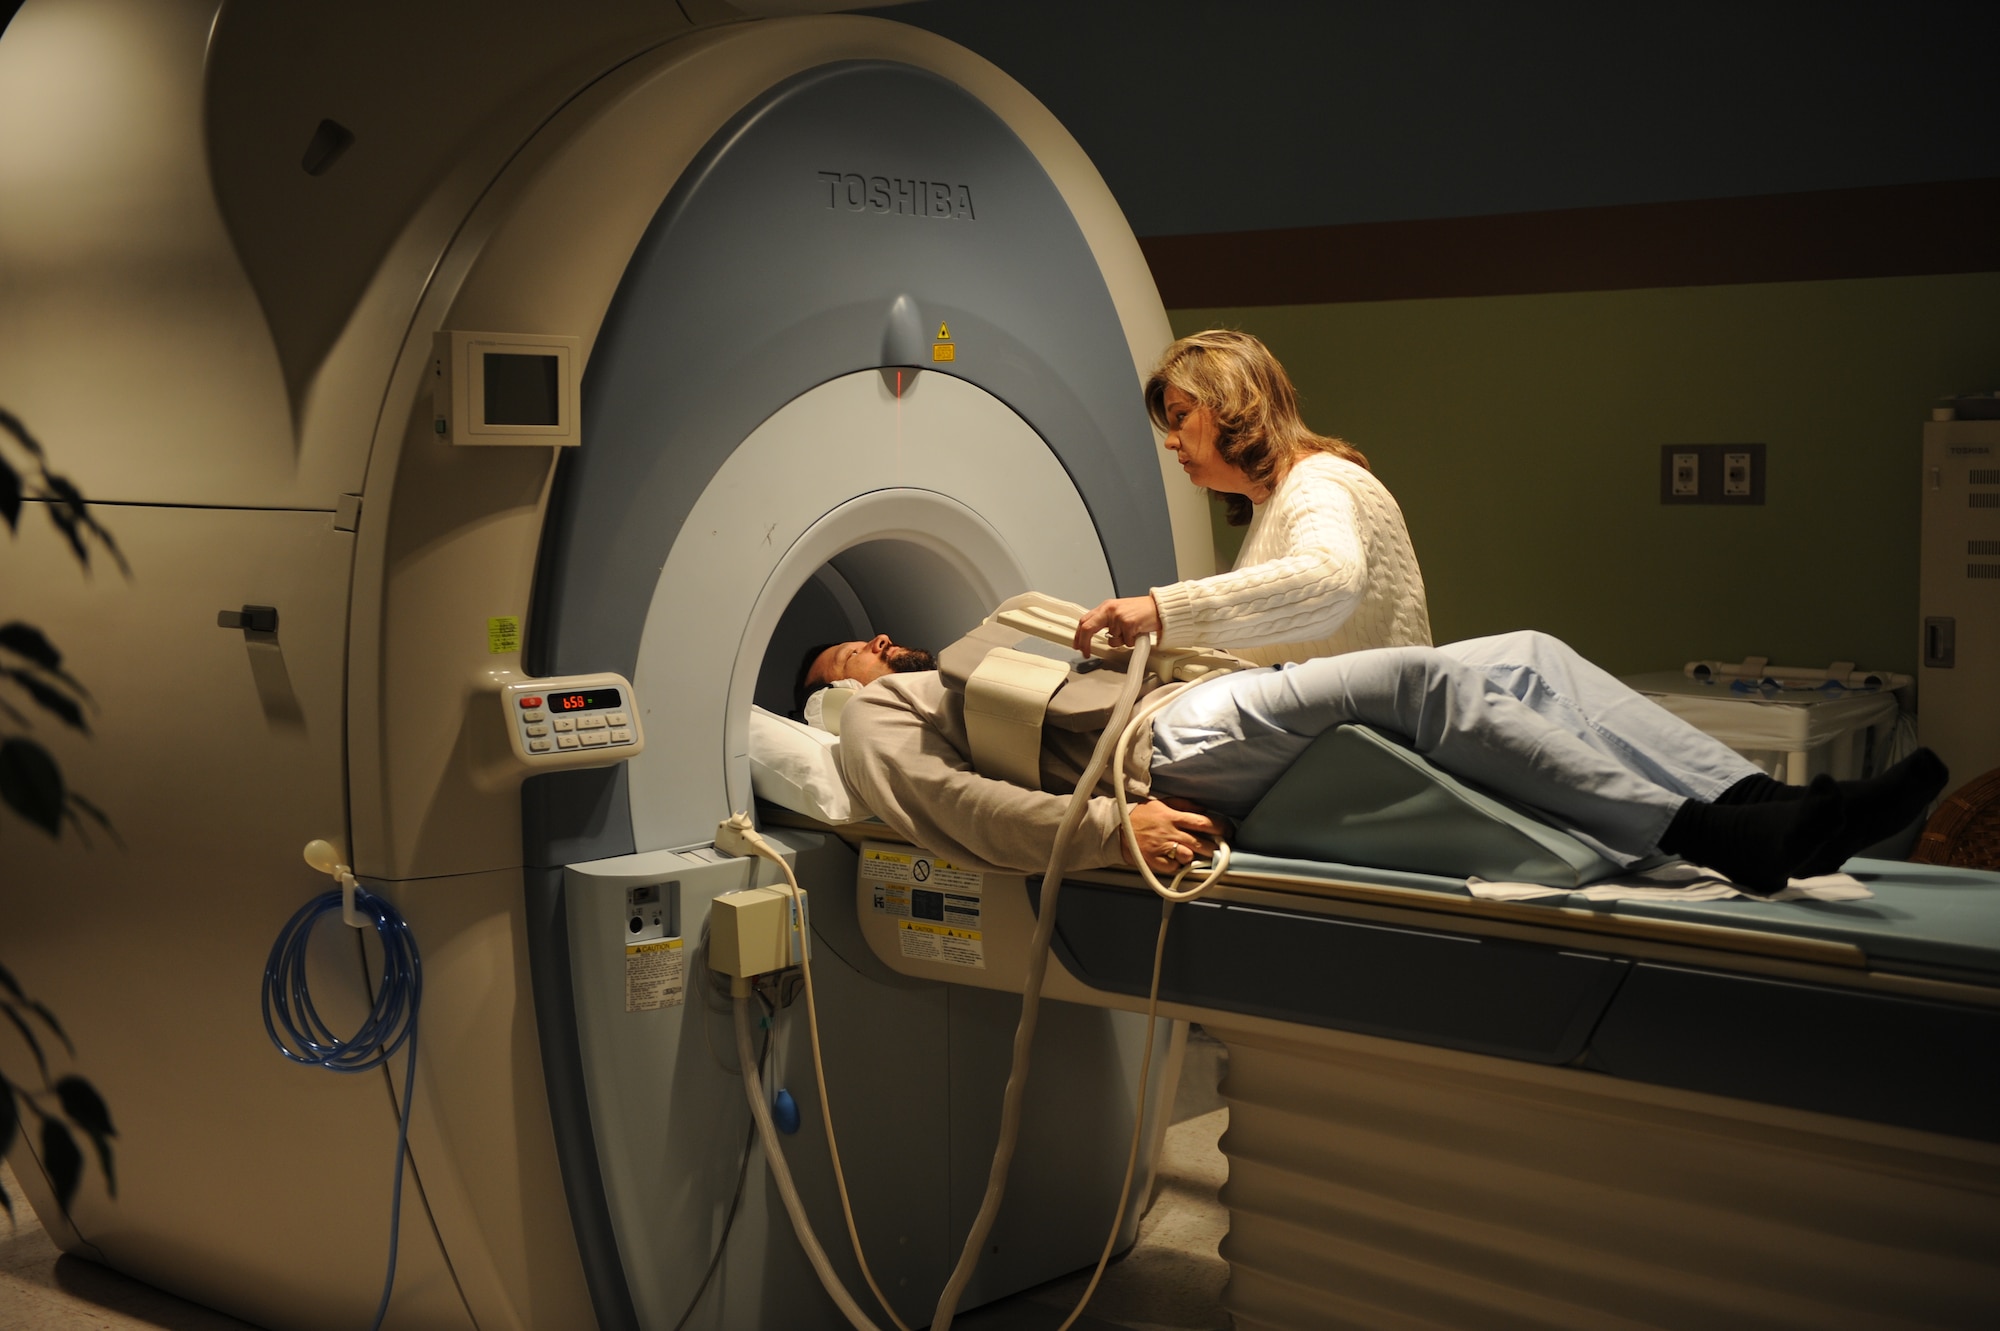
{"points": [[1326, 566]]}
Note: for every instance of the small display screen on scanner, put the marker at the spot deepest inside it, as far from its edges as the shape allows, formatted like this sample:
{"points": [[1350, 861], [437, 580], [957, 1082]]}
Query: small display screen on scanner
{"points": [[592, 700], [522, 389]]}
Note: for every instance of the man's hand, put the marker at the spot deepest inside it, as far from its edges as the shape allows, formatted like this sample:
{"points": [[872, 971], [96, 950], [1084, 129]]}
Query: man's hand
{"points": [[1172, 835], [1123, 619]]}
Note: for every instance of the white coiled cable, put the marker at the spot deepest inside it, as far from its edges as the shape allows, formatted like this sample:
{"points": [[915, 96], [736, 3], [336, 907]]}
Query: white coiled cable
{"points": [[1110, 749]]}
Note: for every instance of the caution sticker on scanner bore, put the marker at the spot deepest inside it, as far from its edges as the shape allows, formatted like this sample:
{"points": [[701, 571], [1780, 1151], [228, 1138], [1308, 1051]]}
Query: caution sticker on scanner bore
{"points": [[655, 975], [935, 903]]}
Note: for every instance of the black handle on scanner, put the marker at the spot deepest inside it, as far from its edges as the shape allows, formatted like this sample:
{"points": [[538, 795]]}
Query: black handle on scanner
{"points": [[251, 619]]}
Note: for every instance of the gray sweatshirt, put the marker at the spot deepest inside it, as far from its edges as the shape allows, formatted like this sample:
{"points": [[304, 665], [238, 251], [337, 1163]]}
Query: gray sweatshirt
{"points": [[903, 747]]}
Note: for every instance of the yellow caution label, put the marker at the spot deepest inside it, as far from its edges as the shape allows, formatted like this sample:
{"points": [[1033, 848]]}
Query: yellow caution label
{"points": [[944, 351], [939, 930], [941, 943], [655, 975], [503, 634], [921, 869], [943, 334]]}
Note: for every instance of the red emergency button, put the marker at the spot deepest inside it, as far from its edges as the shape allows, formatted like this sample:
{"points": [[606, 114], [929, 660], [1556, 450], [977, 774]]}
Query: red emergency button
{"points": [[531, 702]]}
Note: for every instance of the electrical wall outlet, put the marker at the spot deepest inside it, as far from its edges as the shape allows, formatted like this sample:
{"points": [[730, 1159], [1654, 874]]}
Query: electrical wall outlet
{"points": [[1712, 474], [1686, 474], [1940, 642], [1736, 475]]}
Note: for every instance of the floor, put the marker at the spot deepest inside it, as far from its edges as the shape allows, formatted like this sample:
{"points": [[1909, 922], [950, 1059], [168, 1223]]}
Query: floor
{"points": [[48, 1290], [1170, 1280]]}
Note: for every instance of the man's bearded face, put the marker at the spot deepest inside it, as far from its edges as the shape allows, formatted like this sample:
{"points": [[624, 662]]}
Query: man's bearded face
{"points": [[867, 661], [905, 660]]}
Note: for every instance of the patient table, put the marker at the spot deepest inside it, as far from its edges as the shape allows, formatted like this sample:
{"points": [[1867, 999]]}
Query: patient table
{"points": [[1447, 1111]]}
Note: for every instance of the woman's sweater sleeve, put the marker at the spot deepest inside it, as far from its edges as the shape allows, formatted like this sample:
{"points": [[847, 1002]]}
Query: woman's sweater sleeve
{"points": [[1301, 581]]}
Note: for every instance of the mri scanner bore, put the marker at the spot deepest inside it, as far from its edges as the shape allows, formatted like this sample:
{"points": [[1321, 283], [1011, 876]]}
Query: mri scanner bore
{"points": [[1442, 1108]]}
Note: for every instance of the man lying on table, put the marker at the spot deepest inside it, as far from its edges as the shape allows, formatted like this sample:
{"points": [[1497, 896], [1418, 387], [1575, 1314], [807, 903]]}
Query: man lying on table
{"points": [[1519, 713]]}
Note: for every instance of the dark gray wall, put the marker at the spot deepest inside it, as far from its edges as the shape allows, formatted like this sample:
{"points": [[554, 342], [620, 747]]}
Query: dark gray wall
{"points": [[1222, 115]]}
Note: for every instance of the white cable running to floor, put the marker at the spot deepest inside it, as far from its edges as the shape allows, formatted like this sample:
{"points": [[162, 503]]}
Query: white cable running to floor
{"points": [[771, 853], [1112, 746], [781, 1174], [1110, 749]]}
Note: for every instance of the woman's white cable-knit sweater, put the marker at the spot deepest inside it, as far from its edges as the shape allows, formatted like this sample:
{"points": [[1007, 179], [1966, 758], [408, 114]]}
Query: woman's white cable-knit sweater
{"points": [[1327, 567]]}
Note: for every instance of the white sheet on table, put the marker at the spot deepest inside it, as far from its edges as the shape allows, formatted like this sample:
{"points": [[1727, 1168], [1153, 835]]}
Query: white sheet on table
{"points": [[1678, 881]]}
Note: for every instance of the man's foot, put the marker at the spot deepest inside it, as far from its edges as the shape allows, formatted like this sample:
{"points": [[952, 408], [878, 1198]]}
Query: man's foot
{"points": [[1878, 808], [1759, 789], [1761, 845]]}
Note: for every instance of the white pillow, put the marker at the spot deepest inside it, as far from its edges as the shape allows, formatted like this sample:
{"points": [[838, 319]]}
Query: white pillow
{"points": [[797, 767]]}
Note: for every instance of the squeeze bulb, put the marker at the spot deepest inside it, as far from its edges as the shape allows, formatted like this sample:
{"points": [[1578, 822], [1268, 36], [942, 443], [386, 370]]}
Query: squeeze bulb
{"points": [[322, 856]]}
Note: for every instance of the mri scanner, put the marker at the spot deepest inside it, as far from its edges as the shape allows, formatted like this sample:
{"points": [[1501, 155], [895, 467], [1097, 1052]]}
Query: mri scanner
{"points": [[852, 330], [458, 356]]}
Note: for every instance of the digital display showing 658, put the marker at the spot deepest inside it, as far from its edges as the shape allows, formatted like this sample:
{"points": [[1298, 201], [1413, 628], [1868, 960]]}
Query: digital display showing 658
{"points": [[590, 700]]}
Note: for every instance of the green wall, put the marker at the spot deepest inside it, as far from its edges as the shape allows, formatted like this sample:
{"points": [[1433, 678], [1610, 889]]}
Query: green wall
{"points": [[1521, 435]]}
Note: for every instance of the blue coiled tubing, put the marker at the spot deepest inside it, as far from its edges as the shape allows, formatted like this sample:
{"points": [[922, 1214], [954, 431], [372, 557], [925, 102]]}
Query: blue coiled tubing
{"points": [[293, 1022]]}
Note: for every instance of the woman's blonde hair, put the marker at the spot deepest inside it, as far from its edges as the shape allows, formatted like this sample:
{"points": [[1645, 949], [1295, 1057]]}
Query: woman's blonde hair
{"points": [[1258, 428]]}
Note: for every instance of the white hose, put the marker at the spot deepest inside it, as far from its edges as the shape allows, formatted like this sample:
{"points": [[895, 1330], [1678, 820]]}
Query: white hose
{"points": [[764, 848], [774, 1157], [1170, 894], [1031, 993], [1138, 1119], [1110, 749], [1118, 735]]}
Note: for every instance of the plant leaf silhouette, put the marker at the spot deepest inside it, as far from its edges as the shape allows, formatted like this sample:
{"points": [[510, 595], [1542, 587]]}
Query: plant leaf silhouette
{"points": [[49, 1019], [85, 1108], [31, 784], [62, 1160], [54, 701], [28, 642], [10, 496], [34, 1045], [12, 425]]}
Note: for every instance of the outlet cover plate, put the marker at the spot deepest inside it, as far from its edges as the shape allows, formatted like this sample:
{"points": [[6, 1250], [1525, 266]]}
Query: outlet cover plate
{"points": [[1731, 474]]}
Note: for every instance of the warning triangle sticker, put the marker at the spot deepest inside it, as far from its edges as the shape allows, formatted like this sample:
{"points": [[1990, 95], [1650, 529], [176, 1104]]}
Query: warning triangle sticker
{"points": [[943, 333]]}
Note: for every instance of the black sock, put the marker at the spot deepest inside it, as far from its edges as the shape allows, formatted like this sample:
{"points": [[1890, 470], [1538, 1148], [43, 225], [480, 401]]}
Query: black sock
{"points": [[1759, 846], [1759, 789], [1880, 807]]}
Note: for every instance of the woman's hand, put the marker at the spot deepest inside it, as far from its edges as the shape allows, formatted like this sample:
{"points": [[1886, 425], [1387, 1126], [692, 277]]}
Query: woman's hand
{"points": [[1124, 619], [1170, 836]]}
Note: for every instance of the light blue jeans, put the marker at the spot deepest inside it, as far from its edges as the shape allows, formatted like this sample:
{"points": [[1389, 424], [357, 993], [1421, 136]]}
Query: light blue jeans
{"points": [[1520, 714]]}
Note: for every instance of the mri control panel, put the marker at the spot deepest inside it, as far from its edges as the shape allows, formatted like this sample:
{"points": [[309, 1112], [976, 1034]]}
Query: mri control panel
{"points": [[572, 720]]}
